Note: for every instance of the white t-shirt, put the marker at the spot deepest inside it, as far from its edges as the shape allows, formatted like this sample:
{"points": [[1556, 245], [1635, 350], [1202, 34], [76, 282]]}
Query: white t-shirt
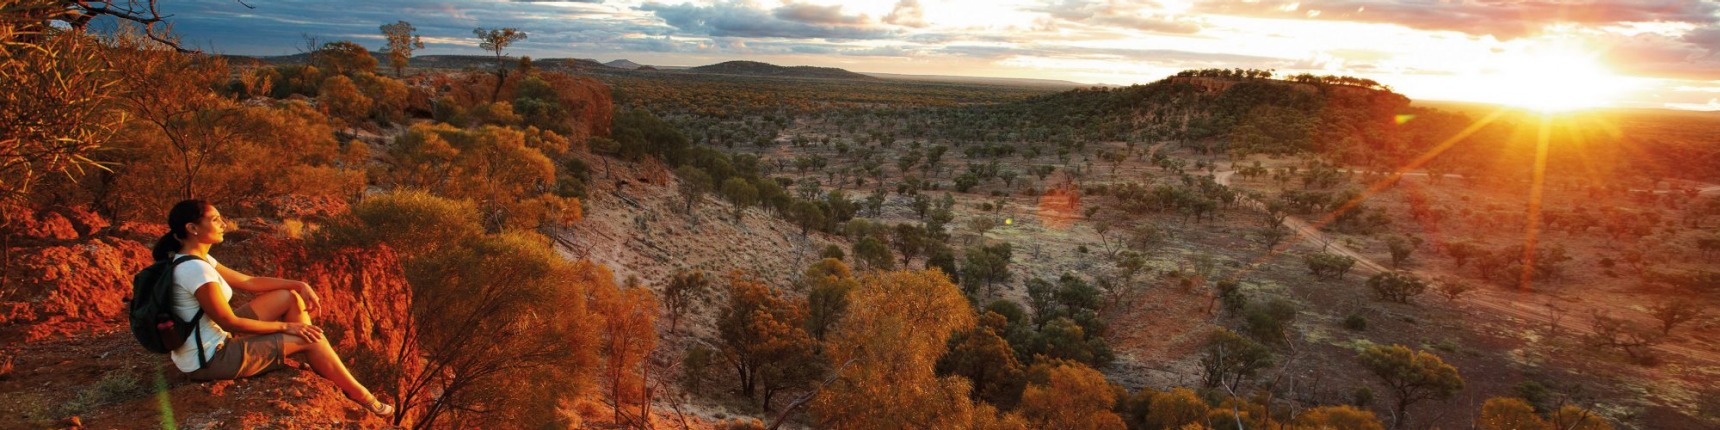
{"points": [[187, 277]]}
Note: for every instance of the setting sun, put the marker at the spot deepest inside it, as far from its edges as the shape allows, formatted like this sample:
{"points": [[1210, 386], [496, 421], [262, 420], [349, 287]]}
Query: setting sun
{"points": [[1552, 79]]}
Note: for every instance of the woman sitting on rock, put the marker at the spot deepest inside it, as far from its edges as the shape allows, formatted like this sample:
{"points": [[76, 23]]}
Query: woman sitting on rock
{"points": [[249, 340]]}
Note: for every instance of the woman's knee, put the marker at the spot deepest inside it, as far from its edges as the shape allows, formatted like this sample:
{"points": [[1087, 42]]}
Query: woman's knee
{"points": [[290, 298], [294, 344]]}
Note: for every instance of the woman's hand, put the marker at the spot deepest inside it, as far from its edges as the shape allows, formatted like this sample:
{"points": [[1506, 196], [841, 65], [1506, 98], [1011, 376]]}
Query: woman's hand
{"points": [[310, 333], [312, 302]]}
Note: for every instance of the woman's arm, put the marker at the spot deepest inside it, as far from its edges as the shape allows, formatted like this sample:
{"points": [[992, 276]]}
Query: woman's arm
{"points": [[214, 303], [260, 284]]}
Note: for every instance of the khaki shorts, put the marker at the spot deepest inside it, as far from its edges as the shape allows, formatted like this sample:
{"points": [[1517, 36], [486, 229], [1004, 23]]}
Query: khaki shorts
{"points": [[244, 356]]}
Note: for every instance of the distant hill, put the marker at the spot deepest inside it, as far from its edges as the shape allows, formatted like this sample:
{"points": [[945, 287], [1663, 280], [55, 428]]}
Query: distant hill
{"points": [[754, 68], [624, 64], [447, 61], [1021, 82]]}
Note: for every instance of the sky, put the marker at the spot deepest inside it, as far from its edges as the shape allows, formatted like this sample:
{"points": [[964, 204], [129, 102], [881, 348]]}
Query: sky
{"points": [[1551, 54]]}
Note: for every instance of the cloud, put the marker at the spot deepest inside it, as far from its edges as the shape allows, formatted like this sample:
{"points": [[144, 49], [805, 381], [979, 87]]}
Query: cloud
{"points": [[1504, 19], [1707, 39], [1692, 56], [1117, 14], [742, 20], [907, 13], [815, 14]]}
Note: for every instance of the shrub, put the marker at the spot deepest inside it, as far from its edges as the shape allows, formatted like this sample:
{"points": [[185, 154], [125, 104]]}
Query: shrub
{"points": [[414, 223], [1175, 409], [464, 294], [1339, 417], [1068, 396], [1506, 413], [1329, 266], [1269, 322], [509, 182], [1397, 286], [1356, 322]]}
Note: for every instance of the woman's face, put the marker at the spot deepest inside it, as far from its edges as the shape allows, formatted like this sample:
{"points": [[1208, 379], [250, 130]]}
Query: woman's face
{"points": [[212, 229]]}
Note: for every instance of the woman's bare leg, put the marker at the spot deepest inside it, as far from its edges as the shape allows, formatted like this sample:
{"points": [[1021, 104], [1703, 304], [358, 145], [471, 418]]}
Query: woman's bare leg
{"points": [[281, 305], [278, 305], [326, 363]]}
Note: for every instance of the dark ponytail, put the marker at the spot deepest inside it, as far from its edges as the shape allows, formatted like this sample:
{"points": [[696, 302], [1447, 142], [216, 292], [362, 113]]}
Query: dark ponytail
{"points": [[184, 212]]}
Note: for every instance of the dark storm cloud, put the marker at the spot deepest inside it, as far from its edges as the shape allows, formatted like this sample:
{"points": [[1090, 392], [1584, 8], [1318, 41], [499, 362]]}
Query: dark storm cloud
{"points": [[743, 20], [1504, 19]]}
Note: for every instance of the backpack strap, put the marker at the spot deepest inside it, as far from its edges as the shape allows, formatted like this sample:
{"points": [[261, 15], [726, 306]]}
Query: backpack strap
{"points": [[196, 331]]}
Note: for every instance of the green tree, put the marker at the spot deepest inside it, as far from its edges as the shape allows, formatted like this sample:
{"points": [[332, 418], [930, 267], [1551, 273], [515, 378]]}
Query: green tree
{"points": [[985, 266], [740, 193], [1412, 377], [401, 42], [693, 185], [983, 357], [1397, 286], [1329, 266], [909, 240], [873, 254], [497, 40], [684, 287], [966, 182], [1401, 248], [1673, 312], [808, 215], [1229, 360], [1269, 321], [830, 283]]}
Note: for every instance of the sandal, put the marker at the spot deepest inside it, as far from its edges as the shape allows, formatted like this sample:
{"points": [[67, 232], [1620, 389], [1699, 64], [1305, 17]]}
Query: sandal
{"points": [[376, 407]]}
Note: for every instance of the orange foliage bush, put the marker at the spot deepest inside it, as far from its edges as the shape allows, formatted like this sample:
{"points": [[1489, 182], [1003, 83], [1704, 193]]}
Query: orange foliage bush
{"points": [[629, 335], [897, 325], [492, 166], [1069, 395]]}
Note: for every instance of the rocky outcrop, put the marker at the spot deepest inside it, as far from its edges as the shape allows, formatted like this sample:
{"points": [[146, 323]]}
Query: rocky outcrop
{"points": [[366, 301], [64, 273], [87, 282]]}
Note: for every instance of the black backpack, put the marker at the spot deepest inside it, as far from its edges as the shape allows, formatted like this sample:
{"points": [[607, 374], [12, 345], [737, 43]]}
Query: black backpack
{"points": [[152, 320]]}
